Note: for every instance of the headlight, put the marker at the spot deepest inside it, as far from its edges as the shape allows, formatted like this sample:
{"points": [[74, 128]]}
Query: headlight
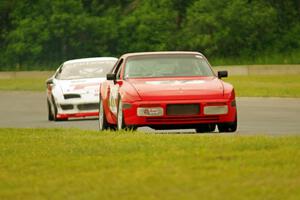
{"points": [[215, 110], [152, 111]]}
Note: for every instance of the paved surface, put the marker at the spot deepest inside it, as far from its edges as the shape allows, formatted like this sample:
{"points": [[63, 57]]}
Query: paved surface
{"points": [[256, 115]]}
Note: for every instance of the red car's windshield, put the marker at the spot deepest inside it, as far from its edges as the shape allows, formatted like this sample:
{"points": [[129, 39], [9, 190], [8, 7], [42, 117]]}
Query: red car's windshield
{"points": [[167, 66]]}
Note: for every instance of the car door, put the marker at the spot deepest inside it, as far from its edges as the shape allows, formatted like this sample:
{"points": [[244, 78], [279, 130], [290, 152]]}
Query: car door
{"points": [[113, 89]]}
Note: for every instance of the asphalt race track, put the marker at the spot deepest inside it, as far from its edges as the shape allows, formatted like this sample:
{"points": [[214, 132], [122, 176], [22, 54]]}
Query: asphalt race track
{"points": [[255, 115]]}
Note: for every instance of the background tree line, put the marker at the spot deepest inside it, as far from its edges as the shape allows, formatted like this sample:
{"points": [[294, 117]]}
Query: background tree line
{"points": [[36, 33]]}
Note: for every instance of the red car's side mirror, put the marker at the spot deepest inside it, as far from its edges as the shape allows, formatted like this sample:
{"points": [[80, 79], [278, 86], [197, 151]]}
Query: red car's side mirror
{"points": [[111, 77], [222, 74]]}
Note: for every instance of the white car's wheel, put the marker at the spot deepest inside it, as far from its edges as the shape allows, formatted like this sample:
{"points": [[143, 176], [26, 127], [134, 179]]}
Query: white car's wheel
{"points": [[50, 112], [54, 112]]}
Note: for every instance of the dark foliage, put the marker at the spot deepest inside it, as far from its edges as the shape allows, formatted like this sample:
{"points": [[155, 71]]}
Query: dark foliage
{"points": [[47, 32]]}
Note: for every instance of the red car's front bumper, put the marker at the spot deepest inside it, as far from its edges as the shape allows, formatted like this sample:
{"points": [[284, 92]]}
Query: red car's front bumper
{"points": [[131, 118]]}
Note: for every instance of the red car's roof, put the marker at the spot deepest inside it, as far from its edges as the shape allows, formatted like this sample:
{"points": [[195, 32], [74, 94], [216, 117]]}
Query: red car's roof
{"points": [[162, 53]]}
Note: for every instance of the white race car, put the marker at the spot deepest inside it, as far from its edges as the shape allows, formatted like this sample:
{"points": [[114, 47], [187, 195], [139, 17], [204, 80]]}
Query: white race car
{"points": [[73, 90]]}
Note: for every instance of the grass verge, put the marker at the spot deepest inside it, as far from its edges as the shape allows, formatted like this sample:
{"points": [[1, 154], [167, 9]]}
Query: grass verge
{"points": [[75, 164], [267, 58], [251, 86], [266, 85], [23, 84]]}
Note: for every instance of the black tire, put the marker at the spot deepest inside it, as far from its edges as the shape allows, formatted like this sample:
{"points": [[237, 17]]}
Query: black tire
{"points": [[228, 127], [50, 113], [102, 121], [53, 109], [132, 128], [206, 128], [55, 113]]}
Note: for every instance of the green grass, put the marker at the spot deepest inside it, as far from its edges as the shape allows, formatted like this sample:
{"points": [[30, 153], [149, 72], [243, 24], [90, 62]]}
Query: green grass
{"points": [[74, 164], [23, 84], [252, 86], [267, 58], [266, 85]]}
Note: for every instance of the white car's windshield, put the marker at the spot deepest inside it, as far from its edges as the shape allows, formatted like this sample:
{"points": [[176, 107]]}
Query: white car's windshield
{"points": [[90, 69], [167, 66]]}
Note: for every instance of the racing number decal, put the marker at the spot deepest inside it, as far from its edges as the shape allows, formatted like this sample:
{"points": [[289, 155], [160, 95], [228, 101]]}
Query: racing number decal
{"points": [[113, 98]]}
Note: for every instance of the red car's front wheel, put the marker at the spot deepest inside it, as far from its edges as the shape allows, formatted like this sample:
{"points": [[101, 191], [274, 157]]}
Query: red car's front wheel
{"points": [[103, 125], [120, 116], [120, 119], [206, 128], [228, 127]]}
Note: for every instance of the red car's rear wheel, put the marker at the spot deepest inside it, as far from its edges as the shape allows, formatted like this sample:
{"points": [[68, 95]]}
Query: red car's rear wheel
{"points": [[206, 128]]}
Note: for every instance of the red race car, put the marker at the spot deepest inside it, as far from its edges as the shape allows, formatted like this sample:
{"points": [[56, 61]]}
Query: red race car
{"points": [[167, 90]]}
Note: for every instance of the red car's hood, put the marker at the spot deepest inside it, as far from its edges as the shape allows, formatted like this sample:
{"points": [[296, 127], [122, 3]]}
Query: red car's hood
{"points": [[178, 88]]}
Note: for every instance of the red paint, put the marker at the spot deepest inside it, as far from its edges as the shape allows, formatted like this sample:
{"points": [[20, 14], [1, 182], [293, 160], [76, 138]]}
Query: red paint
{"points": [[74, 115]]}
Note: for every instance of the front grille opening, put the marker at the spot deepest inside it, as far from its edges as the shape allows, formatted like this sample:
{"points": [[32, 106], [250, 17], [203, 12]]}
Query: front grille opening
{"points": [[71, 96], [66, 106], [183, 109], [88, 106], [200, 119]]}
